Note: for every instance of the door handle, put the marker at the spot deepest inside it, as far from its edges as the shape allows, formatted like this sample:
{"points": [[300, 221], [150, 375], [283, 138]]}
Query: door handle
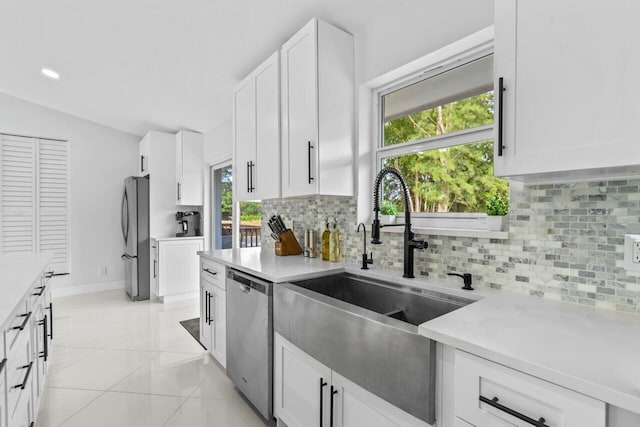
{"points": [[51, 321], [251, 187], [45, 338], [309, 148], [323, 384], [206, 306], [333, 392], [214, 313], [244, 288], [501, 90]]}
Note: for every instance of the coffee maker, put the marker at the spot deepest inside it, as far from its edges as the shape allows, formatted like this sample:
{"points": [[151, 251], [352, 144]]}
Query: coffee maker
{"points": [[188, 223]]}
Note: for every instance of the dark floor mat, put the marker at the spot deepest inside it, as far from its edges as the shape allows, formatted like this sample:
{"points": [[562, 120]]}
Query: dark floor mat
{"points": [[193, 327]]}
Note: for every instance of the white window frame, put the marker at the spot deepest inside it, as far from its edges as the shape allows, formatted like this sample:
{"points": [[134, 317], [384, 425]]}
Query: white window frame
{"points": [[371, 151], [212, 212]]}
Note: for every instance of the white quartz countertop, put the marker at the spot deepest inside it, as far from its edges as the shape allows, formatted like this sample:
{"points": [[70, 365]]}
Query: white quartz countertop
{"points": [[17, 274], [593, 351], [271, 267]]}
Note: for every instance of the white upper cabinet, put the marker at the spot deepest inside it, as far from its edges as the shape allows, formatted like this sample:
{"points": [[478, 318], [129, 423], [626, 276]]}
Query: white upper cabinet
{"points": [[144, 150], [256, 132], [189, 168], [570, 72], [317, 88]]}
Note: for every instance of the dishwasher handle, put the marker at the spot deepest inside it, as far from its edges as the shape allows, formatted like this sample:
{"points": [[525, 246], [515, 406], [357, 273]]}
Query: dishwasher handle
{"points": [[248, 283]]}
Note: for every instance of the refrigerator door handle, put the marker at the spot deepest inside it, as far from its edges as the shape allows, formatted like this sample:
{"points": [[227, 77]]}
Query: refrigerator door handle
{"points": [[124, 220]]}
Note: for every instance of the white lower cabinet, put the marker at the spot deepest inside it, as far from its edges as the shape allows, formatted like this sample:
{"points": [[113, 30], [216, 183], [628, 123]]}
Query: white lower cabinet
{"points": [[308, 393], [491, 395], [213, 310], [20, 370], [178, 267]]}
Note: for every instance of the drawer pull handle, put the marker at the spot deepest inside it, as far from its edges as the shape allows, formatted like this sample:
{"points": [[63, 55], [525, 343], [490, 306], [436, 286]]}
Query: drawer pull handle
{"points": [[26, 376], [24, 322], [37, 294], [211, 272], [494, 402]]}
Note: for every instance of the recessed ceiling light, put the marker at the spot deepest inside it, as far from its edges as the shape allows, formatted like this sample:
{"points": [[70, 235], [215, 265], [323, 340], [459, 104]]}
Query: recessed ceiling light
{"points": [[50, 73]]}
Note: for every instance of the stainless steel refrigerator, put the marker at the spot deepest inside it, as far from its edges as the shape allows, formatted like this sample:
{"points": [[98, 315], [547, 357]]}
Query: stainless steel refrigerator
{"points": [[135, 231]]}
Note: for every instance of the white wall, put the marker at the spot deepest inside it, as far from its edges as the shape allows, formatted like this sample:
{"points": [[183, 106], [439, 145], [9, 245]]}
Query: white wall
{"points": [[410, 33], [100, 159]]}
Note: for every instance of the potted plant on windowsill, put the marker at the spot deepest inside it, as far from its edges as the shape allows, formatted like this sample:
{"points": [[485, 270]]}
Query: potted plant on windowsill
{"points": [[497, 209], [388, 212]]}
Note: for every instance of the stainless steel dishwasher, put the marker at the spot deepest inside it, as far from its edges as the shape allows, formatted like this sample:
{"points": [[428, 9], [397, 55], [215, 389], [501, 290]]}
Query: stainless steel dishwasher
{"points": [[250, 338]]}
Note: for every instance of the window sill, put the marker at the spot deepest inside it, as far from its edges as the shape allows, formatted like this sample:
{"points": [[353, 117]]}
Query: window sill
{"points": [[455, 232]]}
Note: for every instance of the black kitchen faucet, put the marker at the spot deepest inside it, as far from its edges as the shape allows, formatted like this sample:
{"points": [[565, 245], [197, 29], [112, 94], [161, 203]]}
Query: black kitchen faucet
{"points": [[410, 244]]}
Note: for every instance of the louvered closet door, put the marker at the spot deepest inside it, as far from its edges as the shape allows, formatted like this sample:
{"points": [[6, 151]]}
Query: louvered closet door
{"points": [[53, 202], [18, 185], [34, 198]]}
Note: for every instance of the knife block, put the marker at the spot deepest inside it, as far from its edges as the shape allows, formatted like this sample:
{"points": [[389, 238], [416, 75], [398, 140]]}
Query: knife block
{"points": [[288, 244]]}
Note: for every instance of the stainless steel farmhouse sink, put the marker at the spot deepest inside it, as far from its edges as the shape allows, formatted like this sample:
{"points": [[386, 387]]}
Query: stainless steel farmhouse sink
{"points": [[367, 330]]}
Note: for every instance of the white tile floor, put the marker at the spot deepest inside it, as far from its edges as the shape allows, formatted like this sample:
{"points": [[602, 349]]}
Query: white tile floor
{"points": [[120, 363]]}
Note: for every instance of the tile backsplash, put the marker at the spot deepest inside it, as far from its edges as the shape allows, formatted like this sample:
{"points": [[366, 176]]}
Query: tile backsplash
{"points": [[565, 242]]}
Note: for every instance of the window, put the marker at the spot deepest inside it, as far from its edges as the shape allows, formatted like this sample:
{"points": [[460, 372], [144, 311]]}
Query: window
{"points": [[250, 224], [34, 186], [437, 131], [250, 213]]}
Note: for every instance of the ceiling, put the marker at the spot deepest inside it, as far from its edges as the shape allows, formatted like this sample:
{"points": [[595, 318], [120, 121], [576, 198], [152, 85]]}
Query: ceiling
{"points": [[138, 65]]}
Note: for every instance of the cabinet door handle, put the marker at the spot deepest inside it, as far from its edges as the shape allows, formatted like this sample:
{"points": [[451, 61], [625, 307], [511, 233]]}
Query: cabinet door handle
{"points": [[3, 363], [45, 338], [309, 148], [323, 384], [501, 90], [206, 307], [179, 196], [251, 187], [141, 163], [37, 294], [214, 313], [51, 321], [26, 376], [494, 402], [155, 265], [24, 322], [334, 391], [248, 175]]}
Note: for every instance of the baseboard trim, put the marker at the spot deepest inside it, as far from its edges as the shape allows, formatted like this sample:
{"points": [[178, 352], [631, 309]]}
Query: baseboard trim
{"points": [[179, 297], [86, 289]]}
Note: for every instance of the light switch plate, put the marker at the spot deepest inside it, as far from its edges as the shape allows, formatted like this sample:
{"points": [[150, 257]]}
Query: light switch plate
{"points": [[632, 252]]}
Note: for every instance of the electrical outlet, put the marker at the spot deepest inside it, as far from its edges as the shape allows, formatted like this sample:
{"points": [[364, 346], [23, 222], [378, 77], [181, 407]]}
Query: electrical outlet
{"points": [[632, 252]]}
